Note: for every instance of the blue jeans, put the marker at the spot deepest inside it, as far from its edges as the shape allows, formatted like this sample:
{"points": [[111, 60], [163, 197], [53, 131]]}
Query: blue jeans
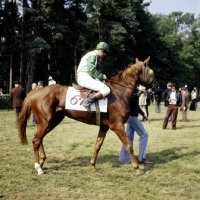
{"points": [[134, 124]]}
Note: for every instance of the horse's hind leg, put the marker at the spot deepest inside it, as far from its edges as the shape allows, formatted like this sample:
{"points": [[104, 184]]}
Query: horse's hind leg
{"points": [[42, 155], [37, 142], [101, 136], [43, 129]]}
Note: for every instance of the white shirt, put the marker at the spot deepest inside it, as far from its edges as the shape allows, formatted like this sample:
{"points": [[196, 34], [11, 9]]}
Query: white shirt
{"points": [[173, 98], [194, 95]]}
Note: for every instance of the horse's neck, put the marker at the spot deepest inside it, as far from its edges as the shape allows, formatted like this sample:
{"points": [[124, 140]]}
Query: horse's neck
{"points": [[122, 88], [126, 80]]}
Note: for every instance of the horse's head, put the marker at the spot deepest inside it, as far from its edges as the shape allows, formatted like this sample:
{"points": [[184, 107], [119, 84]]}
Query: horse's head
{"points": [[136, 74], [147, 76]]}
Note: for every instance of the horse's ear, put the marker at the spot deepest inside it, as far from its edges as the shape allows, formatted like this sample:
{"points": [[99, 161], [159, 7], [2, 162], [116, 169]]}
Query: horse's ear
{"points": [[136, 60], [146, 62]]}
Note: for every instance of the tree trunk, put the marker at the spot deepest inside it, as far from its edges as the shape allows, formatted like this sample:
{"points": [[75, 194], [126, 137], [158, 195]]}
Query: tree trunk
{"points": [[11, 72], [49, 62], [22, 65], [31, 71]]}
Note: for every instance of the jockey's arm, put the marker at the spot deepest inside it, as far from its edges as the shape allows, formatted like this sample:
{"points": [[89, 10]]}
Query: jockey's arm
{"points": [[92, 68]]}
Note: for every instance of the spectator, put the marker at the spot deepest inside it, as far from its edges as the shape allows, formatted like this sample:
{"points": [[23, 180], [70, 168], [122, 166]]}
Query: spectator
{"points": [[1, 91], [158, 97], [134, 124], [142, 99], [40, 84], [152, 97], [184, 105], [175, 100], [194, 99], [166, 102], [51, 81], [196, 104], [33, 120], [148, 101], [17, 96]]}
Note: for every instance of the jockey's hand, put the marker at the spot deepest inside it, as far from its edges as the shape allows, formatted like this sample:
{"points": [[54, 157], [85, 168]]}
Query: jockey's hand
{"points": [[104, 77]]}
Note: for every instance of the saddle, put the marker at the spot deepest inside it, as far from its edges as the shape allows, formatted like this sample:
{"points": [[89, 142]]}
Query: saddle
{"points": [[84, 92]]}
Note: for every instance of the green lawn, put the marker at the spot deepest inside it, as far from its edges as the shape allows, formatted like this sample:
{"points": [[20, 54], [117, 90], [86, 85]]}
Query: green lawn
{"points": [[175, 173]]}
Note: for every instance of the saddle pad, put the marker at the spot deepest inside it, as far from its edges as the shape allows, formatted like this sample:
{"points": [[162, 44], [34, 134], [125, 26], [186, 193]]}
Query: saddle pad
{"points": [[73, 101]]}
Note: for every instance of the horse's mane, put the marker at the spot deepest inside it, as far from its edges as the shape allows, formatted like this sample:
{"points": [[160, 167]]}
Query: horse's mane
{"points": [[130, 70]]}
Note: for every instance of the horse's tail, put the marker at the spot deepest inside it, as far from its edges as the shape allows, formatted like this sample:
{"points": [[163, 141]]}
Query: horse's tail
{"points": [[23, 118]]}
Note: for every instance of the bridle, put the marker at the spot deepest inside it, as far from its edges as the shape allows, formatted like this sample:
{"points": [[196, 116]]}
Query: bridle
{"points": [[154, 84], [147, 78]]}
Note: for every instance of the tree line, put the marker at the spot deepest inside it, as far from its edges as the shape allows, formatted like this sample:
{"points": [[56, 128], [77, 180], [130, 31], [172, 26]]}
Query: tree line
{"points": [[41, 38]]}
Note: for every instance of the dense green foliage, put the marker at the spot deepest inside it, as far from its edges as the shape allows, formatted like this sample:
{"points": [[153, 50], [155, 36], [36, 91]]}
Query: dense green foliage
{"points": [[41, 38]]}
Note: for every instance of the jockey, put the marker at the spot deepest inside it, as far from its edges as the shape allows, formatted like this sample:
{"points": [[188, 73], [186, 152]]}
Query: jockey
{"points": [[88, 76]]}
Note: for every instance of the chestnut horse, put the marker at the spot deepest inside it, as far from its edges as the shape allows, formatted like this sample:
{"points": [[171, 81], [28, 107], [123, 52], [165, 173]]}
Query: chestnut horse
{"points": [[48, 107]]}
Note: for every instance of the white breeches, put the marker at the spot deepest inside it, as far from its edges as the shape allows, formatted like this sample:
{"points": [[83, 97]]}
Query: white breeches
{"points": [[85, 80]]}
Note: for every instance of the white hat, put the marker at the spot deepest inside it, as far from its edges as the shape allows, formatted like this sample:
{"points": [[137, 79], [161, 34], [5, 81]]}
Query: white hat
{"points": [[50, 77]]}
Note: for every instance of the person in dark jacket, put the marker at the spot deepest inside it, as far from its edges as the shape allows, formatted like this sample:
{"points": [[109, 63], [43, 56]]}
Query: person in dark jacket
{"points": [[166, 102], [184, 106], [148, 100], [17, 96], [158, 98], [134, 124], [175, 100]]}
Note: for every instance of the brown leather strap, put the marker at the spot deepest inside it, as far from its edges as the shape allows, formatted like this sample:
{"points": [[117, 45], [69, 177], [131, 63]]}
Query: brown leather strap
{"points": [[97, 113]]}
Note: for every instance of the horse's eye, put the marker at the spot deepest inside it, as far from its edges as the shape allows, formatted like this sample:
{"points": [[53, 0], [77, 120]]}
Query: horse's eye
{"points": [[151, 73]]}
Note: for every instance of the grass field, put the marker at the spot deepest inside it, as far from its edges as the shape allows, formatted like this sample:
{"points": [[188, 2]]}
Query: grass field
{"points": [[175, 173]]}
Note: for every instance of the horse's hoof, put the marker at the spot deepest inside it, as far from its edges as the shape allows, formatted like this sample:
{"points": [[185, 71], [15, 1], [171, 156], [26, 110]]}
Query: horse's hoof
{"points": [[42, 173], [139, 175], [95, 170]]}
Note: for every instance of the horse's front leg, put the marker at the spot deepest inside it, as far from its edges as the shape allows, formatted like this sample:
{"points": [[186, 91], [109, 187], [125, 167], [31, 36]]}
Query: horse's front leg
{"points": [[120, 131], [101, 136]]}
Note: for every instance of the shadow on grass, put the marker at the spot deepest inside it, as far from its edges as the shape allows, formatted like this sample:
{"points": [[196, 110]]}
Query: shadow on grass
{"points": [[167, 156], [84, 161], [157, 158], [189, 126]]}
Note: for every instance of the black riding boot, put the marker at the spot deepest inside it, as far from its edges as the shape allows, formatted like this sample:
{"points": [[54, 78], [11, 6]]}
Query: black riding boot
{"points": [[87, 102]]}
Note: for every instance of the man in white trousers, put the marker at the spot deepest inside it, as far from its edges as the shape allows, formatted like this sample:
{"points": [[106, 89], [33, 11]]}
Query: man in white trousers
{"points": [[88, 76]]}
